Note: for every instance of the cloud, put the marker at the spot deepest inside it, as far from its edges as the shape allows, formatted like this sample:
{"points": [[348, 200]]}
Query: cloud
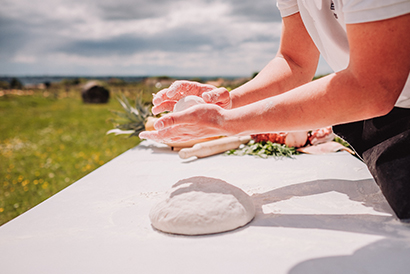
{"points": [[133, 10], [262, 11], [179, 37], [179, 40], [13, 34]]}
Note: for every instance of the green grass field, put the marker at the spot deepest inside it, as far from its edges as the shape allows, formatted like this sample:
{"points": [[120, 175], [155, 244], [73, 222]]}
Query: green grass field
{"points": [[48, 143]]}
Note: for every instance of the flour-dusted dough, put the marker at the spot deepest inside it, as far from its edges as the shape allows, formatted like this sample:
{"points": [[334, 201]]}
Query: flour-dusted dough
{"points": [[188, 102], [202, 205]]}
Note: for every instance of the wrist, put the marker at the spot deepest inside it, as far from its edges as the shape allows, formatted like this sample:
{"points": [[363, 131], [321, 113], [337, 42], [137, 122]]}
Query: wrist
{"points": [[233, 124], [235, 96]]}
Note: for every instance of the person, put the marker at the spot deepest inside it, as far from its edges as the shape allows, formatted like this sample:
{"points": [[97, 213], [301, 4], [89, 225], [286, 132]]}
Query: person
{"points": [[366, 99]]}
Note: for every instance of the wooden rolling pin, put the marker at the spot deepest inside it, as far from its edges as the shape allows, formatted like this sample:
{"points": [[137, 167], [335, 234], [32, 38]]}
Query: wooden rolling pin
{"points": [[213, 147]]}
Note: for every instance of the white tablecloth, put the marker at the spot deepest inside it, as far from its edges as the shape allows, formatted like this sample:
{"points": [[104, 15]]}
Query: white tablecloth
{"points": [[315, 214]]}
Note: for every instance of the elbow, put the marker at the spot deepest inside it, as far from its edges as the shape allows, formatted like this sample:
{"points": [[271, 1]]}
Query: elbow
{"points": [[384, 98], [375, 97], [304, 68], [381, 109]]}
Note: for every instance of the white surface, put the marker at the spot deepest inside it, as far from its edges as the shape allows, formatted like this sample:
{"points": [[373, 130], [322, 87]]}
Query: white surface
{"points": [[315, 214]]}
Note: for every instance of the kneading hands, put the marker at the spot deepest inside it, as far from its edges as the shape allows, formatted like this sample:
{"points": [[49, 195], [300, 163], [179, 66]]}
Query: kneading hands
{"points": [[167, 98], [193, 123]]}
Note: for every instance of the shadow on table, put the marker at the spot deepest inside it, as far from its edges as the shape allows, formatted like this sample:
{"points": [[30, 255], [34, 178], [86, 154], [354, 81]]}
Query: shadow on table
{"points": [[385, 256], [363, 191], [156, 148], [390, 255]]}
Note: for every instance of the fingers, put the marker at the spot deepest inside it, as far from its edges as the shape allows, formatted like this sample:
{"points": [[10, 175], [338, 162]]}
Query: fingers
{"points": [[214, 96], [172, 119], [167, 135], [160, 97], [148, 135], [174, 92], [196, 122], [165, 106], [155, 135], [180, 89], [199, 116]]}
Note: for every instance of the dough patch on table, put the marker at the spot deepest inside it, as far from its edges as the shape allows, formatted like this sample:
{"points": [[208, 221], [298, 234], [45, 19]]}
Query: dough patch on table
{"points": [[202, 205]]}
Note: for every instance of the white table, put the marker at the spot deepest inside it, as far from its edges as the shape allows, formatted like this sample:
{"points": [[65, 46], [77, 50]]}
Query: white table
{"points": [[315, 214]]}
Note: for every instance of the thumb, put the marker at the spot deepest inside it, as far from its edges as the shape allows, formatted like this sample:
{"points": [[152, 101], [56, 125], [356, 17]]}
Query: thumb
{"points": [[219, 96]]}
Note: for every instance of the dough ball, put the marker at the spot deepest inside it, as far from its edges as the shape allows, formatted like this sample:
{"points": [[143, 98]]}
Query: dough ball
{"points": [[202, 205], [188, 102]]}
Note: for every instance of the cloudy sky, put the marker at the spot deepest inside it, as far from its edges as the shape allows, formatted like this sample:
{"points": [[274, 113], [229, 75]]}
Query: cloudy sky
{"points": [[138, 37]]}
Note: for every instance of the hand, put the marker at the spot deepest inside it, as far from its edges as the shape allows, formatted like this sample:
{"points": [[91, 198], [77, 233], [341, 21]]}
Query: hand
{"points": [[165, 99], [196, 122]]}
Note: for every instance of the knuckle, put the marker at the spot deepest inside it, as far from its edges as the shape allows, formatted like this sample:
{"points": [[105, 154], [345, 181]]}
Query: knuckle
{"points": [[161, 93], [169, 121]]}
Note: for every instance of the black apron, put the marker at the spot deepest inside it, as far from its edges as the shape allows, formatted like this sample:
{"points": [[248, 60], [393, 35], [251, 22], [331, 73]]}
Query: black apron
{"points": [[383, 143]]}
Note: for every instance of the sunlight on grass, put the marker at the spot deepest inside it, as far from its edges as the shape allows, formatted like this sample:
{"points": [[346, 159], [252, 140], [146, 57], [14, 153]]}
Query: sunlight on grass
{"points": [[46, 144]]}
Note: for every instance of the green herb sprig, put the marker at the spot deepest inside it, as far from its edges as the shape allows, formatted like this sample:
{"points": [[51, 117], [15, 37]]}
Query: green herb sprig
{"points": [[264, 150]]}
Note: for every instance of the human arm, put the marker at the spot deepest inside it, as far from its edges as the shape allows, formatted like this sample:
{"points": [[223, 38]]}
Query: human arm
{"points": [[294, 64], [369, 87]]}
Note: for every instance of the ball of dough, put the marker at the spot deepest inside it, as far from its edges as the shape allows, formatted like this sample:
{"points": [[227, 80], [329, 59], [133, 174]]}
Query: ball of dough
{"points": [[188, 102], [202, 205]]}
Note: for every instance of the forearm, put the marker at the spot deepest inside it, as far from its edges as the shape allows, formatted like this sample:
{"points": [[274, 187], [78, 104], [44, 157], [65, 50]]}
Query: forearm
{"points": [[334, 99], [279, 76]]}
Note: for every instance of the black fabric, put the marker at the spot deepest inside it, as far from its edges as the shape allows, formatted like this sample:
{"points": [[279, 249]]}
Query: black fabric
{"points": [[384, 145]]}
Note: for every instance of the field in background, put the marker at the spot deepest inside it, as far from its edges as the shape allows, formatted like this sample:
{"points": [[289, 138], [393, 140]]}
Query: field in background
{"points": [[49, 138]]}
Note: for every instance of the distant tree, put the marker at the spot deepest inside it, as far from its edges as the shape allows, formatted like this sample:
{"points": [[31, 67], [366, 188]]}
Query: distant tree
{"points": [[163, 77], [197, 79], [116, 82], [254, 74], [15, 83], [70, 82]]}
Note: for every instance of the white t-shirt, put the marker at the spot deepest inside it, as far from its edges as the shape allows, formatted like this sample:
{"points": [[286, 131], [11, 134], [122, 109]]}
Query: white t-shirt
{"points": [[326, 20]]}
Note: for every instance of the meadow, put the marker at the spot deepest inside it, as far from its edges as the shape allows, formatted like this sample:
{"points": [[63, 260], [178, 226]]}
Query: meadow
{"points": [[49, 139]]}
